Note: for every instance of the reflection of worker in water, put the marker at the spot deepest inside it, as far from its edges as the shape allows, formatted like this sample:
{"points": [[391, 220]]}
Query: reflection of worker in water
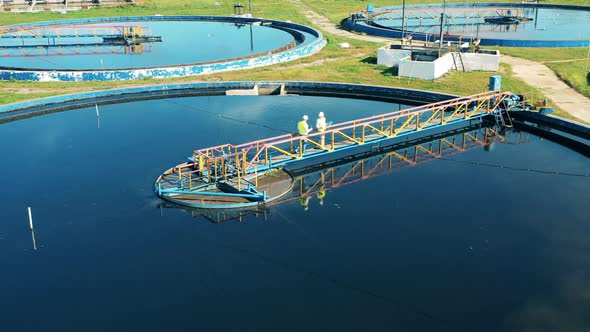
{"points": [[321, 195], [304, 201], [322, 192], [320, 125]]}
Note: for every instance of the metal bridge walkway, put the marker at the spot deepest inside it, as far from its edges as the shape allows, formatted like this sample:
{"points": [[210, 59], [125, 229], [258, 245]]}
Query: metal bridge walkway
{"points": [[434, 13], [75, 31], [234, 171]]}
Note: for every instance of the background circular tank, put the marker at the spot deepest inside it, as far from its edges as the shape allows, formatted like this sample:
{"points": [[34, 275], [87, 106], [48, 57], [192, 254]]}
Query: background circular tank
{"points": [[501, 24], [148, 46]]}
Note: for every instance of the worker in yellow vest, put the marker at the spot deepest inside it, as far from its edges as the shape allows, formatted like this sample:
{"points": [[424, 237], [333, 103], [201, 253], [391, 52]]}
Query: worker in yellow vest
{"points": [[303, 130]]}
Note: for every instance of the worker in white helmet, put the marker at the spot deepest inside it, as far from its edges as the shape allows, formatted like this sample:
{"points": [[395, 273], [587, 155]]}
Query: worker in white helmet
{"points": [[320, 125], [303, 130]]}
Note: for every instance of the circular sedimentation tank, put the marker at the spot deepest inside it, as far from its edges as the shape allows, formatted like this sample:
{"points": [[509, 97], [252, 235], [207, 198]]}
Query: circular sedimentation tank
{"points": [[501, 213], [125, 48], [499, 24]]}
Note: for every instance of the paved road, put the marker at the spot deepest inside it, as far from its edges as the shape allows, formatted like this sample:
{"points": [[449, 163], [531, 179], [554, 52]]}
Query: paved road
{"points": [[542, 77]]}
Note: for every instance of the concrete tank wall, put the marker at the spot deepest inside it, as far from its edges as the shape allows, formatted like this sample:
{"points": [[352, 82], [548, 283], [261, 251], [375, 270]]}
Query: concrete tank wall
{"points": [[391, 57], [480, 61], [430, 70], [426, 70]]}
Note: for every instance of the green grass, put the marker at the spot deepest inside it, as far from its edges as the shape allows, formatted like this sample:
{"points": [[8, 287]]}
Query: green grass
{"points": [[541, 54], [574, 74], [334, 64], [570, 64]]}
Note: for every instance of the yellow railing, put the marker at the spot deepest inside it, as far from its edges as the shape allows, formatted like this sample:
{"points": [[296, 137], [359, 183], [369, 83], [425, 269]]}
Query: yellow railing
{"points": [[246, 160]]}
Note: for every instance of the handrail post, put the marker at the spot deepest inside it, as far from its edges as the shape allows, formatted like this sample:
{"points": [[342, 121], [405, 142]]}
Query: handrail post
{"points": [[391, 126], [332, 140], [363, 134], [465, 112], [256, 176], [209, 170], [223, 170], [215, 168], [244, 163], [239, 173]]}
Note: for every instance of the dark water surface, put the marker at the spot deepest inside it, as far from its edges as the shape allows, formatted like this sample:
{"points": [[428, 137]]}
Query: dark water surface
{"points": [[447, 245]]}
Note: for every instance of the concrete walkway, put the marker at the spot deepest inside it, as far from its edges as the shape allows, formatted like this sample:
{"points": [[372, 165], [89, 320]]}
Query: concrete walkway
{"points": [[542, 77]]}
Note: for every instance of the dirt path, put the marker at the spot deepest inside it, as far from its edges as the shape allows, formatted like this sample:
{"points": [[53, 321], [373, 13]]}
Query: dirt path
{"points": [[540, 76], [325, 25]]}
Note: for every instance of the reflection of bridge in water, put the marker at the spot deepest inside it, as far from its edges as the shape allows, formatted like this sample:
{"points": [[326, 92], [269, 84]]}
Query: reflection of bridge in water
{"points": [[316, 181], [60, 40]]}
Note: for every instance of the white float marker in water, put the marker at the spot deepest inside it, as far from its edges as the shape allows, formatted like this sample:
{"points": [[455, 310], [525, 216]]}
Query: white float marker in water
{"points": [[32, 230], [97, 116], [30, 218], [33, 237]]}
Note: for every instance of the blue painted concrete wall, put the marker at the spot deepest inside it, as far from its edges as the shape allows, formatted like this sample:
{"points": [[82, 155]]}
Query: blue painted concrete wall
{"points": [[46, 105], [569, 126]]}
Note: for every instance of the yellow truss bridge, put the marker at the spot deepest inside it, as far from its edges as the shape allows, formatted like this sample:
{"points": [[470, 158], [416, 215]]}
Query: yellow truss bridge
{"points": [[235, 176]]}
